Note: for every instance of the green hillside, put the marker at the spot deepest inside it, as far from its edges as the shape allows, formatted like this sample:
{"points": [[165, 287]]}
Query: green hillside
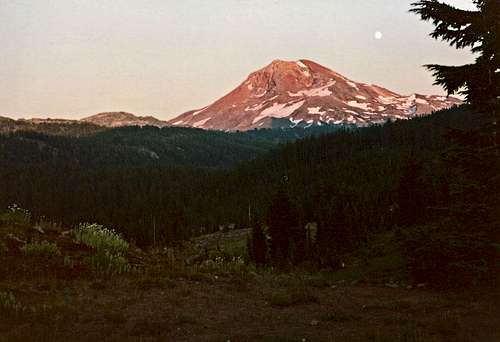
{"points": [[142, 146]]}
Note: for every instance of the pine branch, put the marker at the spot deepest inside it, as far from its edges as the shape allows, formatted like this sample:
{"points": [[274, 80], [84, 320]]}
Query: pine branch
{"points": [[460, 28], [451, 78]]}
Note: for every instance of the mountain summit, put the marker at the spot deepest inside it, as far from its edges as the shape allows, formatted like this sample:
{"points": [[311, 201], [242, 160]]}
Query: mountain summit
{"points": [[304, 93]]}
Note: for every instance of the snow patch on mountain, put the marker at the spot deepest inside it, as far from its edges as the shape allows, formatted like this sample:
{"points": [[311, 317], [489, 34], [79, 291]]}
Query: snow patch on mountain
{"points": [[320, 91], [353, 85], [359, 105], [199, 111], [302, 65], [315, 110], [386, 99], [279, 110], [307, 93], [201, 122]]}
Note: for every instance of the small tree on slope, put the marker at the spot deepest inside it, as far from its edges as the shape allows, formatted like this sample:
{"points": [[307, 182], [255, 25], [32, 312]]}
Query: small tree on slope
{"points": [[258, 245], [283, 225]]}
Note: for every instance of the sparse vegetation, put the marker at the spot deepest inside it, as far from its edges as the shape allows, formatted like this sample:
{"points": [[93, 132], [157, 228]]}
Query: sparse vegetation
{"points": [[407, 333], [14, 220], [8, 303], [167, 298], [41, 249], [294, 294], [108, 248], [11, 308], [100, 238], [338, 316], [108, 264], [447, 259]]}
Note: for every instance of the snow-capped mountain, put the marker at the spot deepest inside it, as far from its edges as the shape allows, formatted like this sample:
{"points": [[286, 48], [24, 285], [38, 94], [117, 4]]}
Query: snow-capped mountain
{"points": [[119, 119], [305, 93]]}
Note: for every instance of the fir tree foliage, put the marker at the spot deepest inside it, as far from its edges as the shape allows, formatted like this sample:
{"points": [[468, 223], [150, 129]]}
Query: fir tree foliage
{"points": [[458, 246], [258, 245], [478, 30], [282, 220]]}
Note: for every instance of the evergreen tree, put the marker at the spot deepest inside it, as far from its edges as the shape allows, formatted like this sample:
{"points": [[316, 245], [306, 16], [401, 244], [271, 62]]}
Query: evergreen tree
{"points": [[335, 235], [480, 31], [411, 194], [258, 245], [459, 248], [476, 162], [282, 222]]}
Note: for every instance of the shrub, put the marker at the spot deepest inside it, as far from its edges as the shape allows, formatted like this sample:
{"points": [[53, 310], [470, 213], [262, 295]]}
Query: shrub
{"points": [[100, 238], [48, 226], [108, 246], [449, 259], [107, 264], [295, 293], [257, 245], [3, 247], [291, 297], [41, 249], [7, 300], [16, 216], [147, 282], [9, 305], [223, 266]]}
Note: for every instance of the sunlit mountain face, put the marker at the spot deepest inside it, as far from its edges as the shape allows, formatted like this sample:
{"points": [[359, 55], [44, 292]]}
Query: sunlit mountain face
{"points": [[304, 93]]}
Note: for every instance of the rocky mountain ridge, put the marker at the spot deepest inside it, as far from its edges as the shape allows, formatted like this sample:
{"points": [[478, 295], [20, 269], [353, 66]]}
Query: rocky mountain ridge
{"points": [[282, 94], [306, 93]]}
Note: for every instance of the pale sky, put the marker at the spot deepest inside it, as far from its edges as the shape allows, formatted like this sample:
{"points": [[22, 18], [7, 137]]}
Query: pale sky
{"points": [[75, 58]]}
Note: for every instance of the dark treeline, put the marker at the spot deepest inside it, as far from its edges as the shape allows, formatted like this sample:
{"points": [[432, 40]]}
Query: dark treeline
{"points": [[141, 146], [350, 177], [430, 183], [131, 178], [434, 179]]}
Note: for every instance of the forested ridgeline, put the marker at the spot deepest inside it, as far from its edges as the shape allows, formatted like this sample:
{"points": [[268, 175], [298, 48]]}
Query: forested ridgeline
{"points": [[49, 126], [351, 176], [140, 146]]}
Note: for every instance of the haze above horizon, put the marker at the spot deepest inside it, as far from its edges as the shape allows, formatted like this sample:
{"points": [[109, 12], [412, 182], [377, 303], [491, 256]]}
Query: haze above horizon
{"points": [[70, 59]]}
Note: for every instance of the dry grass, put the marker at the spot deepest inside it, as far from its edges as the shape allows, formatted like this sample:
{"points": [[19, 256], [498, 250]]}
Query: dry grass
{"points": [[164, 299]]}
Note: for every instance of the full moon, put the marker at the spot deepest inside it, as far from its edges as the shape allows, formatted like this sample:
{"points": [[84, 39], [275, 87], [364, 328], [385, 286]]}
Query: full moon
{"points": [[378, 35]]}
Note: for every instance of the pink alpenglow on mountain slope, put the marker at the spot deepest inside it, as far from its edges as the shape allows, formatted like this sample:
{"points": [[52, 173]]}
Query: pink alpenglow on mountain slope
{"points": [[304, 93]]}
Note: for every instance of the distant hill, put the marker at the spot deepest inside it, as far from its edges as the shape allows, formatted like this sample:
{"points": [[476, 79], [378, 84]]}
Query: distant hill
{"points": [[49, 126], [86, 125], [120, 119]]}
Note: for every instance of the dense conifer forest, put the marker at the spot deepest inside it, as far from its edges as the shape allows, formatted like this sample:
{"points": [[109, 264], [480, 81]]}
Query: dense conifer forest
{"points": [[86, 145], [351, 184], [116, 175]]}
